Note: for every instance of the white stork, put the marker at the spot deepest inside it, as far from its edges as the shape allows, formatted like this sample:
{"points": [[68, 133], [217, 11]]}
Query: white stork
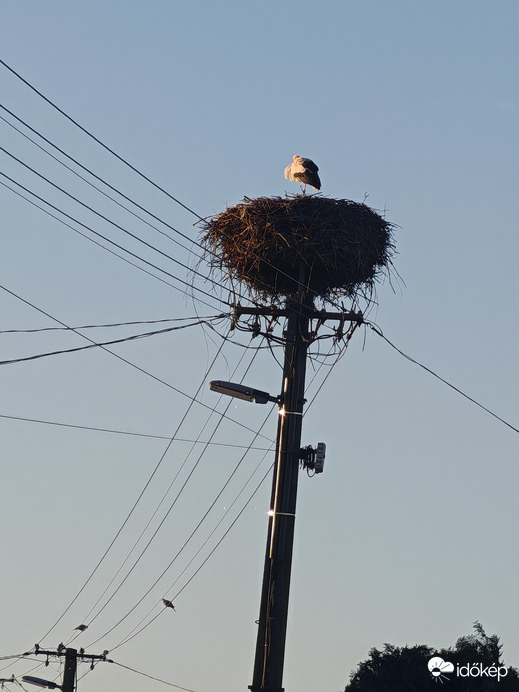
{"points": [[303, 171]]}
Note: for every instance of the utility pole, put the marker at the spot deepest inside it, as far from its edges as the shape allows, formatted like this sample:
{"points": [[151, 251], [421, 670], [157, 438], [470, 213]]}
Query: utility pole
{"points": [[298, 248], [272, 624], [69, 674], [68, 684]]}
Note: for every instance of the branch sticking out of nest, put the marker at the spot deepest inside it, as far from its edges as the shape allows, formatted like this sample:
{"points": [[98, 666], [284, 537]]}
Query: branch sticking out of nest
{"points": [[344, 246]]}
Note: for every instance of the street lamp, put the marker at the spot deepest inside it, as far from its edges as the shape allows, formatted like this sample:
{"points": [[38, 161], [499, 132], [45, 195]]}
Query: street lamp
{"points": [[240, 391], [40, 682]]}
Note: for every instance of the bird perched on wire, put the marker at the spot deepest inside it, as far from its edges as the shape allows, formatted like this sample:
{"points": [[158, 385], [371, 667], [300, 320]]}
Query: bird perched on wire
{"points": [[303, 171], [168, 604], [82, 628]]}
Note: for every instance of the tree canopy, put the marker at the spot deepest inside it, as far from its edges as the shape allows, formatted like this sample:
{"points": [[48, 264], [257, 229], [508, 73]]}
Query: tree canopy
{"points": [[473, 664]]}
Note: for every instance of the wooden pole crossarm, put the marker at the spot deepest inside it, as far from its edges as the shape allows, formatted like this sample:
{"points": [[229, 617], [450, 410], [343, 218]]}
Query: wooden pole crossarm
{"points": [[344, 316]]}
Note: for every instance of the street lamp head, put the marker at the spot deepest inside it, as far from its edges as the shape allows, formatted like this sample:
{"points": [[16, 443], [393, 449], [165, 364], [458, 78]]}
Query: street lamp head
{"points": [[240, 391], [40, 682]]}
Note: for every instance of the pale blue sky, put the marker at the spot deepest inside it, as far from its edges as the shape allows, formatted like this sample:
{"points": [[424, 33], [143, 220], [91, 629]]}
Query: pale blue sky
{"points": [[411, 533]]}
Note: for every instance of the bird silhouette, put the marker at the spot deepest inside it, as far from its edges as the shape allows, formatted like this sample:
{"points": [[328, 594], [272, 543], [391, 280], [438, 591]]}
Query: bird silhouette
{"points": [[81, 628], [303, 171], [168, 604]]}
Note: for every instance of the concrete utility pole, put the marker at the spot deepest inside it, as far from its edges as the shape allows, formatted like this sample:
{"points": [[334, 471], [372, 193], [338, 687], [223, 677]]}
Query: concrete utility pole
{"points": [[272, 624]]}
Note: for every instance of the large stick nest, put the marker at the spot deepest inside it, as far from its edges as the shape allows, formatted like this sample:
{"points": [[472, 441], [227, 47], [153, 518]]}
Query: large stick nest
{"points": [[343, 246]]}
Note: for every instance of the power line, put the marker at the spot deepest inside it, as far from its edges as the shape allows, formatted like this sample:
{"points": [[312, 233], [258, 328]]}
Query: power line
{"points": [[100, 179], [269, 346], [124, 432], [7, 658], [132, 167], [105, 218], [173, 503], [340, 354], [378, 331], [191, 286], [133, 365], [151, 677], [222, 538], [104, 326], [131, 634], [189, 537], [83, 129], [193, 399], [212, 505], [220, 541], [86, 619], [77, 200], [204, 248], [124, 259], [120, 247], [112, 342]]}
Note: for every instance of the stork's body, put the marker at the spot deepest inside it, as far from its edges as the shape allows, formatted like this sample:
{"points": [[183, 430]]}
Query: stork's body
{"points": [[303, 171]]}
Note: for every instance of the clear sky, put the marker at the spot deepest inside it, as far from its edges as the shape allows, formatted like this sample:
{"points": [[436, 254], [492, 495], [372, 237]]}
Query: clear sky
{"points": [[410, 535]]}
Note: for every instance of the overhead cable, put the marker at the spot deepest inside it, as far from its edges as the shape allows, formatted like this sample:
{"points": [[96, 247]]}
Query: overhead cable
{"points": [[378, 331], [124, 432], [102, 180], [151, 677], [220, 541], [106, 218], [133, 365], [205, 249], [87, 618], [173, 503], [112, 252], [200, 218], [111, 151], [117, 245], [130, 513], [110, 324], [100, 344]]}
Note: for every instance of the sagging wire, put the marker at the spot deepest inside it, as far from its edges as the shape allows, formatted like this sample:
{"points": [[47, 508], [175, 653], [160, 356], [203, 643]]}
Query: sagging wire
{"points": [[87, 618], [112, 342], [94, 571], [134, 633], [379, 332], [166, 515]]}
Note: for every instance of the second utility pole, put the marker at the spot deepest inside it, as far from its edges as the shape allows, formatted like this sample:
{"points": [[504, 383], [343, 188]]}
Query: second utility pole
{"points": [[69, 674], [272, 624]]}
